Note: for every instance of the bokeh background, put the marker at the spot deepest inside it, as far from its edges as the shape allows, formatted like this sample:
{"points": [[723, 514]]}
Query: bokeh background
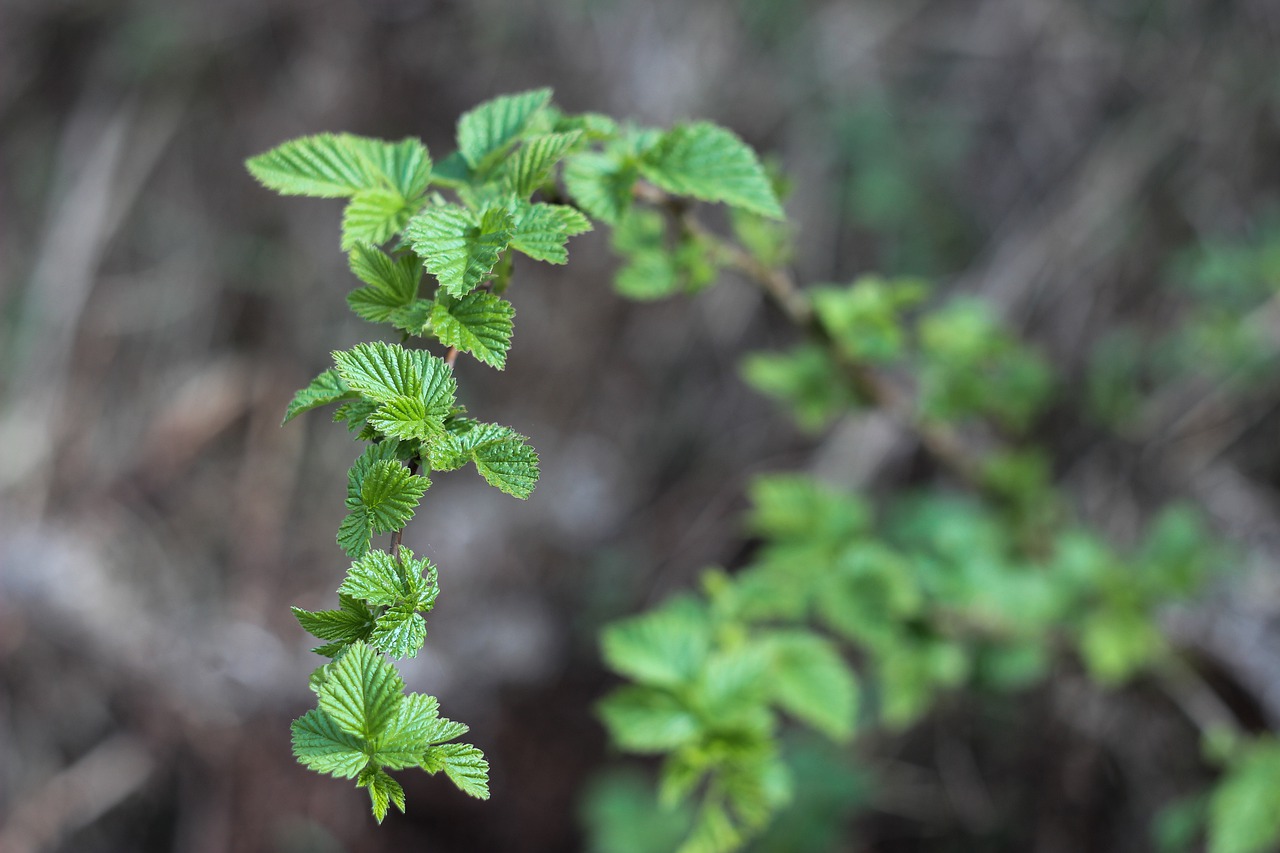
{"points": [[1068, 159]]}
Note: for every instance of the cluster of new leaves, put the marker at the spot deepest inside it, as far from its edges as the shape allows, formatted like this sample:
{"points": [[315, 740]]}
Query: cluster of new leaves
{"points": [[459, 223], [366, 724]]}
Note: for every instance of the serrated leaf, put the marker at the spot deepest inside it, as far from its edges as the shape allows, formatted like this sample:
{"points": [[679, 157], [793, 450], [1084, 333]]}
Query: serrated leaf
{"points": [[485, 131], [391, 284], [390, 493], [373, 216], [405, 165], [383, 791], [601, 184], [399, 632], [464, 764], [645, 720], [711, 163], [319, 744], [374, 578], [326, 165], [811, 681], [500, 455], [529, 167], [666, 647], [381, 371], [326, 388], [541, 230], [351, 622], [361, 693], [480, 323], [406, 417], [457, 247]]}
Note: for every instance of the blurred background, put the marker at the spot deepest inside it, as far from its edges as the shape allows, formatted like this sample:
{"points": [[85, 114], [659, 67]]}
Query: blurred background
{"points": [[1097, 169]]}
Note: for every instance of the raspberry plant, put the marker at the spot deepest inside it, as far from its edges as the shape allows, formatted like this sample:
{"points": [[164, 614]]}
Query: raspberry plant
{"points": [[985, 582]]}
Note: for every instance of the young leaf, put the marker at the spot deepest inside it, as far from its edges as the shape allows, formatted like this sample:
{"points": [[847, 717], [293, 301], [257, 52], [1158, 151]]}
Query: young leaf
{"points": [[486, 131], [373, 216], [601, 184], [391, 284], [464, 764], [326, 165], [321, 745], [711, 163], [361, 693], [541, 230], [399, 632], [479, 323], [641, 719], [458, 247], [381, 496], [352, 621], [529, 168], [415, 389], [499, 453], [405, 165], [713, 831], [383, 791], [811, 681], [666, 647], [326, 388]]}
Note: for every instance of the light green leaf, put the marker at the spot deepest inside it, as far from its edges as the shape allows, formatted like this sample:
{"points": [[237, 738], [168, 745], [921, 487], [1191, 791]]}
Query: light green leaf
{"points": [[712, 164], [1244, 806], [351, 622], [382, 371], [645, 720], [325, 165], [601, 184], [326, 388], [463, 763], [541, 230], [485, 132], [373, 216], [713, 831], [361, 693], [480, 323], [405, 165], [811, 681], [389, 493], [375, 578], [399, 632], [403, 742], [319, 744], [805, 380], [383, 791], [457, 247], [666, 647], [391, 284], [406, 417], [529, 167], [500, 454]]}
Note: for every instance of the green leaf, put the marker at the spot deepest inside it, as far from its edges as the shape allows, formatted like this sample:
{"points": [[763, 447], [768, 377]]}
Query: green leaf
{"points": [[480, 323], [381, 496], [325, 165], [405, 165], [804, 380], [530, 167], [319, 744], [811, 681], [416, 390], [601, 184], [645, 720], [541, 230], [666, 647], [713, 831], [400, 631], [331, 165], [712, 164], [500, 454], [326, 388], [464, 764], [486, 131], [1244, 806], [383, 791], [373, 216], [458, 247], [361, 693], [391, 284], [352, 621], [404, 741]]}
